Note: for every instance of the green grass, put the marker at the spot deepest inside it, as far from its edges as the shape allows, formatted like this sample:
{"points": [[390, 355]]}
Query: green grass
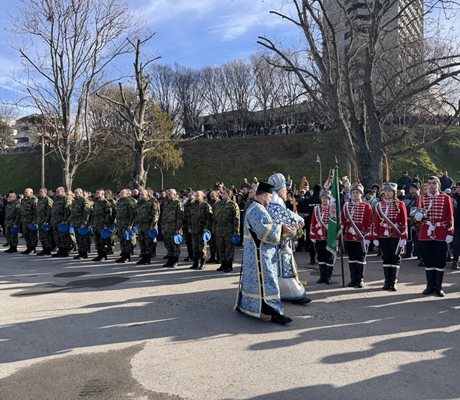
{"points": [[230, 160]]}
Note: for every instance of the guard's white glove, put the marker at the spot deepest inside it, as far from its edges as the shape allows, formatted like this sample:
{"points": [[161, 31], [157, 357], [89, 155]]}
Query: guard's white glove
{"points": [[376, 243], [313, 240], [366, 242], [449, 239], [402, 243]]}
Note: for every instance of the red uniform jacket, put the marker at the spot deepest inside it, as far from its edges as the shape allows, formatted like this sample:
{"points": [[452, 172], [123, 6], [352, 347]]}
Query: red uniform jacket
{"points": [[361, 213], [440, 221], [319, 221], [397, 214]]}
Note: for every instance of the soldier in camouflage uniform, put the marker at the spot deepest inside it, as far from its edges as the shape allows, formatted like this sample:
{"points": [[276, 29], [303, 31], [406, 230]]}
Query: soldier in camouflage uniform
{"points": [[113, 206], [101, 218], [126, 212], [200, 222], [147, 215], [79, 218], [214, 199], [12, 220], [43, 218], [186, 225], [226, 223], [28, 210], [60, 214], [172, 218]]}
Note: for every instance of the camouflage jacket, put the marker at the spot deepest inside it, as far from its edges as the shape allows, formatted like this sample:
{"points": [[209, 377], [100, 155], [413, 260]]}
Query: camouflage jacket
{"points": [[172, 216], [28, 209], [80, 212], [12, 213], [200, 217], [226, 218], [126, 212], [101, 216], [147, 214], [60, 212], [43, 214]]}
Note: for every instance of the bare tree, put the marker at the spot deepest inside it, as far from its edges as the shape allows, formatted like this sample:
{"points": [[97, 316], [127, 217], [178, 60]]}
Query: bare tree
{"points": [[7, 118], [214, 95], [266, 87], [163, 79], [138, 123], [67, 46], [239, 89], [189, 98], [361, 63]]}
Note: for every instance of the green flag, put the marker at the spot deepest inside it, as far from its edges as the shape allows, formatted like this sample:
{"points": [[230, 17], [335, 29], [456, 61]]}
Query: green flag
{"points": [[333, 226]]}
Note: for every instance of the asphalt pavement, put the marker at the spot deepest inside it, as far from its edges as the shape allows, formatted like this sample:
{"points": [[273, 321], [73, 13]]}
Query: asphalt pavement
{"points": [[76, 329]]}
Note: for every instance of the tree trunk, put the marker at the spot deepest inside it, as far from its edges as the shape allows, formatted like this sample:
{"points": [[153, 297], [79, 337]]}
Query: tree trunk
{"points": [[139, 174]]}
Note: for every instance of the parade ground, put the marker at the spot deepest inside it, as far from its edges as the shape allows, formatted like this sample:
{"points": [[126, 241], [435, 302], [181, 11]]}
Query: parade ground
{"points": [[75, 329]]}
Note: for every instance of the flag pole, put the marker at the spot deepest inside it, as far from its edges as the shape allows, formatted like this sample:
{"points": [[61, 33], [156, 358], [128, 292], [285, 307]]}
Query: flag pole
{"points": [[341, 258], [342, 247]]}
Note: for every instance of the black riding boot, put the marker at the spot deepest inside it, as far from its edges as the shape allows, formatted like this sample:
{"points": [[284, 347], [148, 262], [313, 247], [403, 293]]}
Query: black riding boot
{"points": [[430, 282], [394, 279], [352, 267], [386, 273], [438, 283]]}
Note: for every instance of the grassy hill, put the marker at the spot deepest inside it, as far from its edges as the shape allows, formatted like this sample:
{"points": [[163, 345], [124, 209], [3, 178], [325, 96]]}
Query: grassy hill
{"points": [[206, 162]]}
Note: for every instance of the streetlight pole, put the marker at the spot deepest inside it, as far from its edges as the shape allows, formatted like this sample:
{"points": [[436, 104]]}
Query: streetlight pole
{"points": [[318, 160], [161, 174], [42, 161]]}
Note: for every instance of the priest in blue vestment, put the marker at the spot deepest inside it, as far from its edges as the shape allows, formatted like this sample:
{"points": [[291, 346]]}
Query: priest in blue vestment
{"points": [[258, 291], [291, 289]]}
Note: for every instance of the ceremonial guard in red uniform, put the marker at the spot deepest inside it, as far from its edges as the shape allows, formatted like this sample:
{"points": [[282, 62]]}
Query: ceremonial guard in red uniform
{"points": [[318, 235], [390, 233], [357, 228], [436, 232]]}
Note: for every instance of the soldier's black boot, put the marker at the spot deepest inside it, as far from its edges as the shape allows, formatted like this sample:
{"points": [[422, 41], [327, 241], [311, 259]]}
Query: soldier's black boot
{"points": [[12, 249], [166, 257], [154, 251], [359, 275], [228, 266], [394, 279], [386, 273], [147, 260], [202, 263], [328, 275], [322, 278], [429, 282], [222, 266], [438, 283], [99, 256], [47, 251], [122, 258], [174, 262], [84, 254], [42, 253], [141, 260], [27, 251], [194, 265], [58, 253], [212, 260], [352, 267], [168, 263], [78, 256]]}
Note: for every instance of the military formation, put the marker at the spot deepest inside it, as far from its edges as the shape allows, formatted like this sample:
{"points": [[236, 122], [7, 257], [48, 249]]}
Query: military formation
{"points": [[64, 222]]}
